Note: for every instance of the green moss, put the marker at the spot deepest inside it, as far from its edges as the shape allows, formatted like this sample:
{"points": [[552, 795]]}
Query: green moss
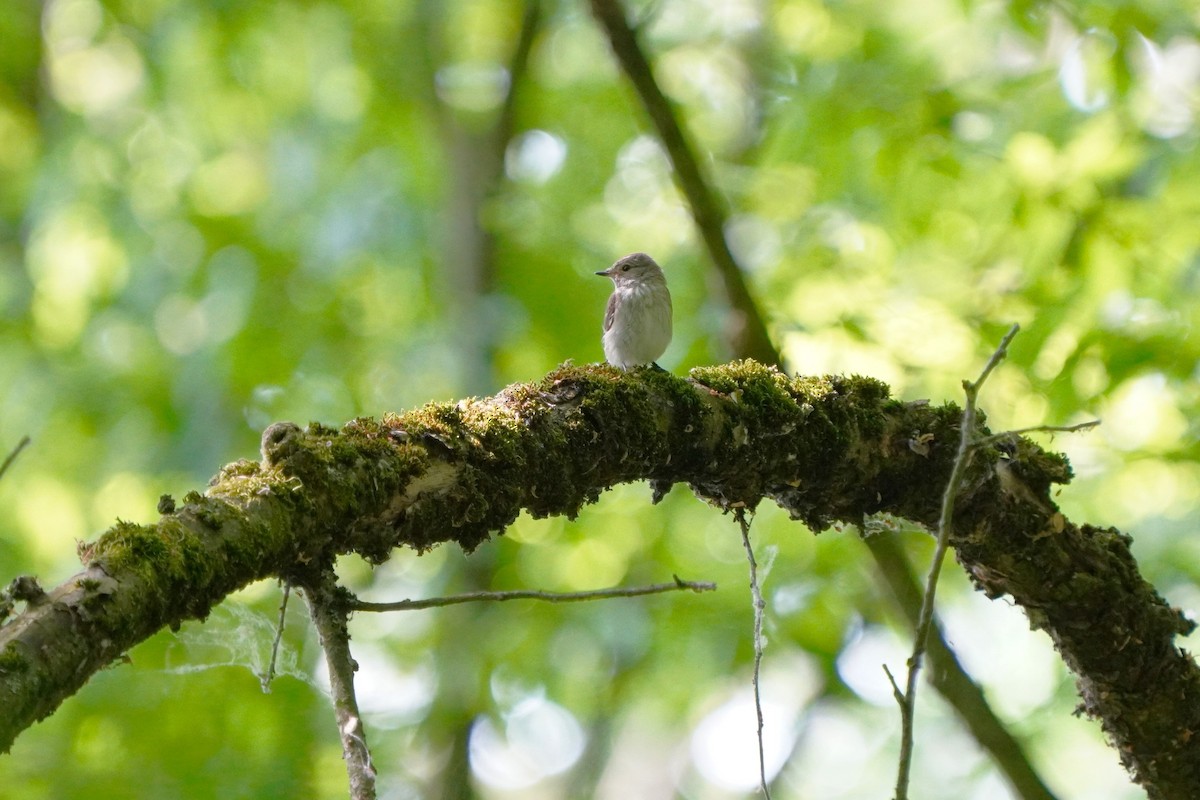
{"points": [[168, 556], [129, 546], [12, 661], [242, 468]]}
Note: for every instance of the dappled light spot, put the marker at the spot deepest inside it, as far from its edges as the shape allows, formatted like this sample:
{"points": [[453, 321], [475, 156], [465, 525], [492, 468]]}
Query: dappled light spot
{"points": [[87, 77], [973, 126], [535, 740], [74, 260], [574, 52], [1086, 71], [342, 93], [724, 745], [263, 407], [712, 81], [591, 563], [391, 693], [1143, 413], [160, 164], [1153, 487], [725, 750], [120, 494], [856, 241], [52, 518], [181, 324], [838, 351], [1165, 99], [117, 341], [924, 333], [1034, 161], [472, 87], [642, 199], [234, 183], [708, 18], [535, 156], [859, 665], [810, 29], [754, 240], [1022, 676]]}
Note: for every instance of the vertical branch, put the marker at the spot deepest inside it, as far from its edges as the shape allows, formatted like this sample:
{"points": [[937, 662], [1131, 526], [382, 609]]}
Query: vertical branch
{"points": [[475, 151], [908, 698], [759, 607], [328, 613], [16, 451], [752, 339]]}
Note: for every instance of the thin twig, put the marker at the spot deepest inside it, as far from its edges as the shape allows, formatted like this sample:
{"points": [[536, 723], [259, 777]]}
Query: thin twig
{"points": [[997, 437], [16, 451], [531, 594], [269, 675], [897, 692], [945, 523], [327, 610], [951, 681], [759, 607]]}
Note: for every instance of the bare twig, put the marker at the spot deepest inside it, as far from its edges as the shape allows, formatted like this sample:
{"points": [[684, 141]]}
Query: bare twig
{"points": [[16, 451], [266, 678], [945, 524], [326, 605], [759, 606], [531, 594], [997, 437], [951, 681]]}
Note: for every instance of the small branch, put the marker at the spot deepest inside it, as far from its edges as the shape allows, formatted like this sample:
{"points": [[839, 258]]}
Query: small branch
{"points": [[759, 606], [16, 451], [530, 594], [266, 678], [518, 67], [945, 524], [327, 609], [897, 692], [996, 437], [947, 675], [999, 355]]}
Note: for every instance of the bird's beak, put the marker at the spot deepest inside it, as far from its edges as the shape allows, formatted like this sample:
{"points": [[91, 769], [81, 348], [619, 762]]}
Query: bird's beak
{"points": [[606, 273]]}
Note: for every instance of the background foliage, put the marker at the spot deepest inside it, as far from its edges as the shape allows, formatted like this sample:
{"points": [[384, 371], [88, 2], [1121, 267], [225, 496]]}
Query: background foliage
{"points": [[217, 215]]}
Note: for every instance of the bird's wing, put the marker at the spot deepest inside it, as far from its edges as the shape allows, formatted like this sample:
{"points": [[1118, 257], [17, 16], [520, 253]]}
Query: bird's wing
{"points": [[610, 312]]}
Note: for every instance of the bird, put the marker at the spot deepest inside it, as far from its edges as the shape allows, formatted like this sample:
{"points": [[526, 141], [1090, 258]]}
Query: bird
{"points": [[637, 321]]}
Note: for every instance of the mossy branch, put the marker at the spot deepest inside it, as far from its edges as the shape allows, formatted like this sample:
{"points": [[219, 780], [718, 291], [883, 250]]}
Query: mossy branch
{"points": [[827, 450]]}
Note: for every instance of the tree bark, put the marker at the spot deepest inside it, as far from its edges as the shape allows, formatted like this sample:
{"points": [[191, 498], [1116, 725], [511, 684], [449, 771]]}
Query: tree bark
{"points": [[827, 450]]}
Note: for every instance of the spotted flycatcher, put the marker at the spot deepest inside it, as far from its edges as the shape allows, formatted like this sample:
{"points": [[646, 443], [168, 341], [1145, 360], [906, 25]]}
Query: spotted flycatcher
{"points": [[637, 323]]}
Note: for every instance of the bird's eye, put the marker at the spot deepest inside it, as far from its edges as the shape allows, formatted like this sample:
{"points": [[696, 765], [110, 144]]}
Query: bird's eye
{"points": [[625, 268]]}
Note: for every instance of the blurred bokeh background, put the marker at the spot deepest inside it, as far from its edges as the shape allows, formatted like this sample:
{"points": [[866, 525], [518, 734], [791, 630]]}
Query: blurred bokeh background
{"points": [[216, 215]]}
